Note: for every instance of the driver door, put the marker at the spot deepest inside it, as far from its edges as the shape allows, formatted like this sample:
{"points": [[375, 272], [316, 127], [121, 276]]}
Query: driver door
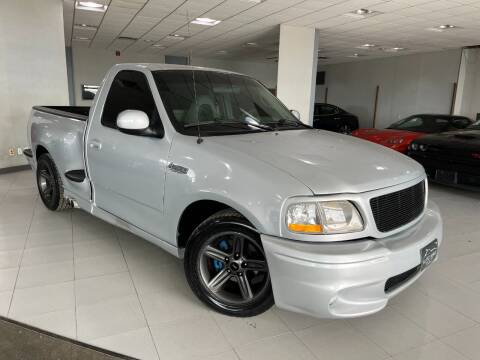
{"points": [[128, 171]]}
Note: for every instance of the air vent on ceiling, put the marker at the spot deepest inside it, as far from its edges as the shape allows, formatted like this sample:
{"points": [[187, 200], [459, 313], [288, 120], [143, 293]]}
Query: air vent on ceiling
{"points": [[127, 38]]}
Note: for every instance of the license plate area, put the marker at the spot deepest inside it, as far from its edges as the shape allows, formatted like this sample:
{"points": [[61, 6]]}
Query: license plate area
{"points": [[446, 176], [428, 254]]}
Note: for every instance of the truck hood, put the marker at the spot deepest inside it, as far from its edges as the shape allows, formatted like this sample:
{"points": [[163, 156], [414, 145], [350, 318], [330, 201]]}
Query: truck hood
{"points": [[326, 162]]}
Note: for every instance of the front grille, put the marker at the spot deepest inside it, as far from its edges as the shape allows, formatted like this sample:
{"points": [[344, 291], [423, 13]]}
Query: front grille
{"points": [[396, 209], [400, 279]]}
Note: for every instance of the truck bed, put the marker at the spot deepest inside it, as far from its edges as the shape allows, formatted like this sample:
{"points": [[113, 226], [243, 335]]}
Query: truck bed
{"points": [[72, 112]]}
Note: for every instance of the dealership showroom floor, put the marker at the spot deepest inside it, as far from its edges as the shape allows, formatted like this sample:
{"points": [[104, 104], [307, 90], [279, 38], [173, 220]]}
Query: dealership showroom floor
{"points": [[76, 276]]}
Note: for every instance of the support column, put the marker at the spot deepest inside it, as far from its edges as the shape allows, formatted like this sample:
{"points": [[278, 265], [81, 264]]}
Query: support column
{"points": [[297, 69], [467, 101], [33, 68]]}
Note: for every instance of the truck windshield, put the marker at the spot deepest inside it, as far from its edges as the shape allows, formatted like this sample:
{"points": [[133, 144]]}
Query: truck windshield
{"points": [[220, 103]]}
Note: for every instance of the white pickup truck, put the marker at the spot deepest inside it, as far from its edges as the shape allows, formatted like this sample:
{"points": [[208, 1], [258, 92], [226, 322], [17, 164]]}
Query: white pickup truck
{"points": [[211, 167]]}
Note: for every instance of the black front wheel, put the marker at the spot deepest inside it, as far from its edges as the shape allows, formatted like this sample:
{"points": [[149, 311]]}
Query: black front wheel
{"points": [[226, 266], [50, 184]]}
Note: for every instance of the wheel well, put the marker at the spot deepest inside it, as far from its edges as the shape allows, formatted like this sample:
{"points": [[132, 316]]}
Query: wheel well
{"points": [[194, 215], [39, 151]]}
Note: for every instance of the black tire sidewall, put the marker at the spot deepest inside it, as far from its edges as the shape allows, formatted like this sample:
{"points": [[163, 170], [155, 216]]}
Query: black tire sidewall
{"points": [[198, 238], [46, 161]]}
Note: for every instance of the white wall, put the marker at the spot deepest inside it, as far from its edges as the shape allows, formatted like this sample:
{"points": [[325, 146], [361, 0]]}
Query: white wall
{"points": [[468, 93], [91, 65], [409, 84], [32, 67]]}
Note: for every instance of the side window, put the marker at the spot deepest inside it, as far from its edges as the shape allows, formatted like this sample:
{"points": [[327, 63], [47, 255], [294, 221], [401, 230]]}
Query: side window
{"points": [[460, 123], [130, 91], [327, 109]]}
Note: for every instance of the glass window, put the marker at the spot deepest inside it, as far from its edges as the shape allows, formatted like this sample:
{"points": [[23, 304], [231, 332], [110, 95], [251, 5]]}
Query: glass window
{"points": [[426, 124], [326, 109], [461, 123], [130, 91], [219, 102]]}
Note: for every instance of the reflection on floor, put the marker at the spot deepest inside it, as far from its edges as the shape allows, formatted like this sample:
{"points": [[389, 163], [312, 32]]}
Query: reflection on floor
{"points": [[23, 342], [79, 277]]}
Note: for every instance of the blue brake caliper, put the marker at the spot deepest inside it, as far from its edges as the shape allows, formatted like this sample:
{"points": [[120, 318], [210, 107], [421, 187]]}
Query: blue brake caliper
{"points": [[217, 264]]}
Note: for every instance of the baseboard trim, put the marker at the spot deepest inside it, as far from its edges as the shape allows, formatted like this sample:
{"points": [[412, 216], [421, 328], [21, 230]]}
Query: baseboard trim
{"points": [[14, 169]]}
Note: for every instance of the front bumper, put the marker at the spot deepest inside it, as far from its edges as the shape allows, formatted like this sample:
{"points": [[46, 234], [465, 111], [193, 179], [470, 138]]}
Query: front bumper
{"points": [[346, 279]]}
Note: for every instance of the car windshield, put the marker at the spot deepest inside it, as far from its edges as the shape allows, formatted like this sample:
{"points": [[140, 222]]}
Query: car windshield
{"points": [[425, 124], [220, 103], [475, 125]]}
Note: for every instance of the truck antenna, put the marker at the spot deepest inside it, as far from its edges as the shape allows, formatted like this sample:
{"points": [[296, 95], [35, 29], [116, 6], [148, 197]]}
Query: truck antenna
{"points": [[199, 135]]}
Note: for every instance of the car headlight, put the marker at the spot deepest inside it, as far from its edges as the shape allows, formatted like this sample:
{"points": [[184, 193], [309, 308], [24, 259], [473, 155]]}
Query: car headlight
{"points": [[413, 146], [326, 217], [395, 140]]}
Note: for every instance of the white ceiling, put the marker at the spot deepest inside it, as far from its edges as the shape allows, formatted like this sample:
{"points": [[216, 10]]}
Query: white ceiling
{"points": [[399, 23]]}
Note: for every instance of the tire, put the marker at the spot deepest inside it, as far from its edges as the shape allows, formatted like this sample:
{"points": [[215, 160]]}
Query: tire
{"points": [[244, 288], [50, 186], [345, 129]]}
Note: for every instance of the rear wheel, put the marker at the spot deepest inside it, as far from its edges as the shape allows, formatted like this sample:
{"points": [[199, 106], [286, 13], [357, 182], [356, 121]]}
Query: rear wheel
{"points": [[226, 266], [50, 184], [345, 129]]}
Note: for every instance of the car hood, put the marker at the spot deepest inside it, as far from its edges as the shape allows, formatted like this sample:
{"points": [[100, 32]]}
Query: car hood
{"points": [[382, 135], [326, 162], [461, 140]]}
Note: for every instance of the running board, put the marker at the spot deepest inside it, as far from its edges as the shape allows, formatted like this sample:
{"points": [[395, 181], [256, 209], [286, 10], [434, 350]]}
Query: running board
{"points": [[75, 175]]}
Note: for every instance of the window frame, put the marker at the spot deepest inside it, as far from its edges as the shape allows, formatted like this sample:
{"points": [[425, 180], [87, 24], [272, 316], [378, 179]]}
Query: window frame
{"points": [[153, 131]]}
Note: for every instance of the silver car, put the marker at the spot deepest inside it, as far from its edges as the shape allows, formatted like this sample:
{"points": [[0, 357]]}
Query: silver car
{"points": [[210, 166]]}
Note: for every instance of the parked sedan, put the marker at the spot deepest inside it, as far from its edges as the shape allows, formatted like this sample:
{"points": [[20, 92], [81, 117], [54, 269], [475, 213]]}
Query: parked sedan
{"points": [[333, 118], [400, 134], [451, 158]]}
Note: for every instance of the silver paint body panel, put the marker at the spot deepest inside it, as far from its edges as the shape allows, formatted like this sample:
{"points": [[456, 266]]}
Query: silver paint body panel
{"points": [[131, 183]]}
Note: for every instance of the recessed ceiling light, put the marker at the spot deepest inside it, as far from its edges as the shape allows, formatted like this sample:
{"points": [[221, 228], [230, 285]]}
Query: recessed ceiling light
{"points": [[394, 49], [176, 37], [90, 5], [85, 27], [362, 13], [159, 46], [442, 28], [81, 38], [356, 55], [205, 21], [367, 46], [148, 40], [250, 44], [222, 52]]}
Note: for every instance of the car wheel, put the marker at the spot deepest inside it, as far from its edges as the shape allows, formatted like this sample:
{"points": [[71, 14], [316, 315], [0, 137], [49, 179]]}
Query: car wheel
{"points": [[226, 267], [345, 129], [50, 184]]}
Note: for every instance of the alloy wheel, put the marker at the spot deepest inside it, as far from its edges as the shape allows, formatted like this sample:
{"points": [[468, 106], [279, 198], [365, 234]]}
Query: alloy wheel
{"points": [[233, 268]]}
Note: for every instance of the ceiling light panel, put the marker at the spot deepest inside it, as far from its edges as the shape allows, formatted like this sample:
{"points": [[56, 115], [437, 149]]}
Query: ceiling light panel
{"points": [[205, 21], [91, 6]]}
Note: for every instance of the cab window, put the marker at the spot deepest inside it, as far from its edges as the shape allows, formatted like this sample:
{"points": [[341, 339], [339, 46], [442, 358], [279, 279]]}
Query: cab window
{"points": [[130, 91]]}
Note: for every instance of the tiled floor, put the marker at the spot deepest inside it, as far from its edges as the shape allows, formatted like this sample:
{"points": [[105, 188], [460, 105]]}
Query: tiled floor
{"points": [[77, 276]]}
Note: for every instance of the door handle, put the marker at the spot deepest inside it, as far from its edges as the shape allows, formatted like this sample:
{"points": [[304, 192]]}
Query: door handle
{"points": [[95, 144]]}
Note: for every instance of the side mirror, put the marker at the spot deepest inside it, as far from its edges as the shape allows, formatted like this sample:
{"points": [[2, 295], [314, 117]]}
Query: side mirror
{"points": [[133, 122], [296, 113]]}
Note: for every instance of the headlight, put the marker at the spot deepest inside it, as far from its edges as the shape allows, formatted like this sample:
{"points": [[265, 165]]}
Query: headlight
{"points": [[395, 140], [326, 217], [414, 146]]}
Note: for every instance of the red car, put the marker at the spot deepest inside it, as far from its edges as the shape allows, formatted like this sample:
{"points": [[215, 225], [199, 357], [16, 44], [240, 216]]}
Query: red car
{"points": [[400, 134]]}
